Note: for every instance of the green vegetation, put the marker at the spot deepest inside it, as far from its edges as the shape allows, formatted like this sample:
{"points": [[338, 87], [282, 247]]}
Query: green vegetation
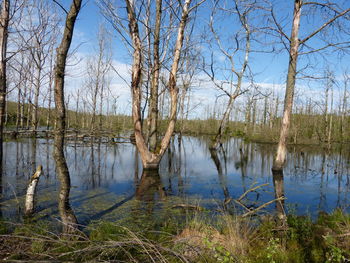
{"points": [[226, 238]]}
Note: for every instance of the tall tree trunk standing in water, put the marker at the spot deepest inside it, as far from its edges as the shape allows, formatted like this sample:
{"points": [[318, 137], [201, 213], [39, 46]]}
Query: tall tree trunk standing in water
{"points": [[151, 160], [4, 21], [67, 216], [295, 43], [290, 86]]}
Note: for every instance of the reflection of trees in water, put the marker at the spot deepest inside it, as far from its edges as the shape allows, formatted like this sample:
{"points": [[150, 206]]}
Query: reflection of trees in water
{"points": [[92, 164], [327, 171], [278, 184], [171, 167], [150, 186], [136, 167], [322, 202], [243, 163], [221, 176], [178, 172]]}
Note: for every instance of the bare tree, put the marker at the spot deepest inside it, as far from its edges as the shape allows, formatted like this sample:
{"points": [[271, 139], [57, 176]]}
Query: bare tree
{"points": [[232, 52], [43, 27], [295, 43], [137, 20], [68, 218], [4, 22], [97, 70]]}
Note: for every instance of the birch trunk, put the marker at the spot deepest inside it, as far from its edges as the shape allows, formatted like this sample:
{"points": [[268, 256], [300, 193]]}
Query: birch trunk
{"points": [[290, 86], [30, 196]]}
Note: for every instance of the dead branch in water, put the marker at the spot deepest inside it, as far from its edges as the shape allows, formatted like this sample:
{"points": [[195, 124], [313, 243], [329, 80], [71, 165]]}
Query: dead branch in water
{"points": [[262, 206], [251, 190]]}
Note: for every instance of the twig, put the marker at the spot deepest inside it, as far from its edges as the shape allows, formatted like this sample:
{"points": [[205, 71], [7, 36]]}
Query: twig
{"points": [[262, 206], [250, 190], [241, 204]]}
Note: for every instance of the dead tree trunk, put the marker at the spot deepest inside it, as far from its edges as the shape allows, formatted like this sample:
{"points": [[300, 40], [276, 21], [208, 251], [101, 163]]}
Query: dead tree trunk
{"points": [[4, 21], [36, 100], [288, 100], [48, 120], [30, 196], [68, 218], [295, 42]]}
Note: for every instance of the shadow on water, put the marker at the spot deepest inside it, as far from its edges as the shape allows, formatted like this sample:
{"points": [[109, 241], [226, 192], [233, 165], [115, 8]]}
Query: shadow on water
{"points": [[76, 200], [100, 214]]}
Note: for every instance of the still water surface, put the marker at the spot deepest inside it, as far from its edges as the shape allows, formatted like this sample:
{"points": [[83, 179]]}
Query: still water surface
{"points": [[107, 179]]}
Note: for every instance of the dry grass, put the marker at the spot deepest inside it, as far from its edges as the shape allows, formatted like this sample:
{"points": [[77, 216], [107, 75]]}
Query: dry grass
{"points": [[33, 243], [229, 239]]}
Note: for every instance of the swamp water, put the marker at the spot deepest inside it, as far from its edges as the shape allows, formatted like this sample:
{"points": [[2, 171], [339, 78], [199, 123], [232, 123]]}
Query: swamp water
{"points": [[108, 182]]}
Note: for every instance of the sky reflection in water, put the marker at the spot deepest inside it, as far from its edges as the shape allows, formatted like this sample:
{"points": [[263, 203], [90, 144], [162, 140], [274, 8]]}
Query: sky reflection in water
{"points": [[107, 177]]}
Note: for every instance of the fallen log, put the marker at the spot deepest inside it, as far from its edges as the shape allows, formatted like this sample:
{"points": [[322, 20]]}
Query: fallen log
{"points": [[29, 203]]}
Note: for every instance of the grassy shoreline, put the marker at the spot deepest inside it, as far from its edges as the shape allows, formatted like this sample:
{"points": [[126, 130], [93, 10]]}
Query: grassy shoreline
{"points": [[227, 238]]}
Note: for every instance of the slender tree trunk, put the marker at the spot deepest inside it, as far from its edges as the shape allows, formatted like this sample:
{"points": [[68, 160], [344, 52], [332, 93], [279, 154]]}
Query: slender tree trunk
{"points": [[254, 118], [223, 123], [18, 116], [94, 106], [265, 111], [68, 218], [290, 86], [343, 112], [30, 103], [24, 95], [4, 21], [101, 109], [153, 116], [36, 101], [48, 120], [77, 108], [329, 135]]}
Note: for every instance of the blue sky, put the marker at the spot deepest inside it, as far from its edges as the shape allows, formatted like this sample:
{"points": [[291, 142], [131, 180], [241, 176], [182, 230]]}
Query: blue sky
{"points": [[269, 69]]}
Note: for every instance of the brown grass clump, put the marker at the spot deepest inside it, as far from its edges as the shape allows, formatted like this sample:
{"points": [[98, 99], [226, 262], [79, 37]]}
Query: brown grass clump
{"points": [[228, 240]]}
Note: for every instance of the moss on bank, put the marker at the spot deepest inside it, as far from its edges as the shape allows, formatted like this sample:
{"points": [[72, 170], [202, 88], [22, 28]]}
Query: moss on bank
{"points": [[226, 239]]}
